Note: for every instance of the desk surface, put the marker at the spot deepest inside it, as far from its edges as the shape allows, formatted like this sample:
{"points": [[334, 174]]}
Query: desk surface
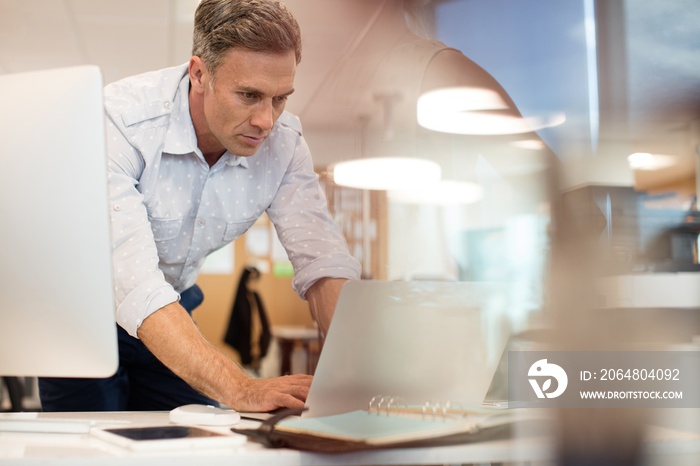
{"points": [[83, 449]]}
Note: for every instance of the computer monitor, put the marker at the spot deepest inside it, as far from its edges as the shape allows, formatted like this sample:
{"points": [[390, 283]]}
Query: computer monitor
{"points": [[56, 289]]}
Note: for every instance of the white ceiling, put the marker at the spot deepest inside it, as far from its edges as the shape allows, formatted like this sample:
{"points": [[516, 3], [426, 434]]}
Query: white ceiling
{"points": [[126, 37], [122, 37]]}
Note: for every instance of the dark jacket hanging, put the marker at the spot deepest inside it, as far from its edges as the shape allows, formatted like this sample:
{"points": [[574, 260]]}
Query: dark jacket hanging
{"points": [[239, 334]]}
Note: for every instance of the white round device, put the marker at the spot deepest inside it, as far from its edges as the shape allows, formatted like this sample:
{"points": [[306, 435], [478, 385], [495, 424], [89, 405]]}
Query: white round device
{"points": [[204, 415]]}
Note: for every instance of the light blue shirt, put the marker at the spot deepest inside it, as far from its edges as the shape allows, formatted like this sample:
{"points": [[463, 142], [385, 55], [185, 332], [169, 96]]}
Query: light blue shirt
{"points": [[169, 209]]}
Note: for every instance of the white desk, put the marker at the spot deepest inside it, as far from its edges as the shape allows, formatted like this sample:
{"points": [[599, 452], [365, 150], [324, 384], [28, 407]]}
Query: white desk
{"points": [[665, 446], [82, 449]]}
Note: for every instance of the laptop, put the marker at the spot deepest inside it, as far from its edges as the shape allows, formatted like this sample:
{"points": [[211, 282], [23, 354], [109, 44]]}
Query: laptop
{"points": [[528, 340], [415, 341]]}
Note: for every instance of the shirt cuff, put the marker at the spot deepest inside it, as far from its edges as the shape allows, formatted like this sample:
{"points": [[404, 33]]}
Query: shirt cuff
{"points": [[330, 266], [143, 301]]}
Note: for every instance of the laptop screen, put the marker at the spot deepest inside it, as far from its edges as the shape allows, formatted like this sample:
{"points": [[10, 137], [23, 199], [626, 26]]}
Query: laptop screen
{"points": [[414, 340]]}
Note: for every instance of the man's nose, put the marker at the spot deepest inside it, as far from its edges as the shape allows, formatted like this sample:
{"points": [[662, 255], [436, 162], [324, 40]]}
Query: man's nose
{"points": [[263, 116]]}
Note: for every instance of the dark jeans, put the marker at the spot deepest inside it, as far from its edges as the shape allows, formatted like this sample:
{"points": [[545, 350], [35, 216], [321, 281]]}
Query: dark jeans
{"points": [[142, 383]]}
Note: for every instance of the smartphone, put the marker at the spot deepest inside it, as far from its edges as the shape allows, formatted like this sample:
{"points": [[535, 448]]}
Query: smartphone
{"points": [[167, 437]]}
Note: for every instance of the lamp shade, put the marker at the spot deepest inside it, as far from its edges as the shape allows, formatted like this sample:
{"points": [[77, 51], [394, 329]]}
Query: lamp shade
{"points": [[445, 192], [648, 161], [474, 111], [386, 173]]}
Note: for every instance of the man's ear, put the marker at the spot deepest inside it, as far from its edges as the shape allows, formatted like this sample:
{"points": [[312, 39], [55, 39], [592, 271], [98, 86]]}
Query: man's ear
{"points": [[198, 73]]}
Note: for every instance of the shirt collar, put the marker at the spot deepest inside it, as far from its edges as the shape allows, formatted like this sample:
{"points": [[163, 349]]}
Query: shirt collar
{"points": [[234, 160], [181, 138]]}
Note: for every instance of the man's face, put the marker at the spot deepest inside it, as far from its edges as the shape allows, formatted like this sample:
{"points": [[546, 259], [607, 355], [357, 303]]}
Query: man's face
{"points": [[237, 108]]}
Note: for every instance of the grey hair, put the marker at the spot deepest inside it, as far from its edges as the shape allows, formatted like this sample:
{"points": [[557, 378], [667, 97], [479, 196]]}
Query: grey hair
{"points": [[259, 25]]}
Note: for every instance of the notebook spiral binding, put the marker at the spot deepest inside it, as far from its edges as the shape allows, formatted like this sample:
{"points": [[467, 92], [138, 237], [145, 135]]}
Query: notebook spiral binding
{"points": [[383, 404]]}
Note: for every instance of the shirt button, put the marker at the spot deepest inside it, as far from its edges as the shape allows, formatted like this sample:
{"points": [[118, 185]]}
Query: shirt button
{"points": [[167, 105], [201, 222]]}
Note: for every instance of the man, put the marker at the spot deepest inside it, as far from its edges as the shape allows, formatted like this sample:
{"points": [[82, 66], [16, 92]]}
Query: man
{"points": [[196, 154]]}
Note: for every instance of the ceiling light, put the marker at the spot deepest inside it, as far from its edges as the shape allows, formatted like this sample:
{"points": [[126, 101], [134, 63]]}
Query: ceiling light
{"points": [[385, 173], [461, 99], [441, 193], [529, 144], [647, 161], [466, 110]]}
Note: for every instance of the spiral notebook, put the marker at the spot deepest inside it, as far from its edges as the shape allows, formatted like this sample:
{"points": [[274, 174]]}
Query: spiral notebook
{"points": [[418, 340], [388, 423]]}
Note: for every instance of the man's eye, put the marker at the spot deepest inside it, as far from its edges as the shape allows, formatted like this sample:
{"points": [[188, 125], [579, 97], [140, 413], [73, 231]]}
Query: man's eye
{"points": [[280, 100], [249, 96]]}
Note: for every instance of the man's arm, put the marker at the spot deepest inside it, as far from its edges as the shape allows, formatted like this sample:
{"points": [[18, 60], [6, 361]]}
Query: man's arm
{"points": [[322, 298], [171, 335]]}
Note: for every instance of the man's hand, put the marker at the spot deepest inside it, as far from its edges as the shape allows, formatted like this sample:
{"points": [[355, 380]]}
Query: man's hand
{"points": [[264, 395], [171, 335]]}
